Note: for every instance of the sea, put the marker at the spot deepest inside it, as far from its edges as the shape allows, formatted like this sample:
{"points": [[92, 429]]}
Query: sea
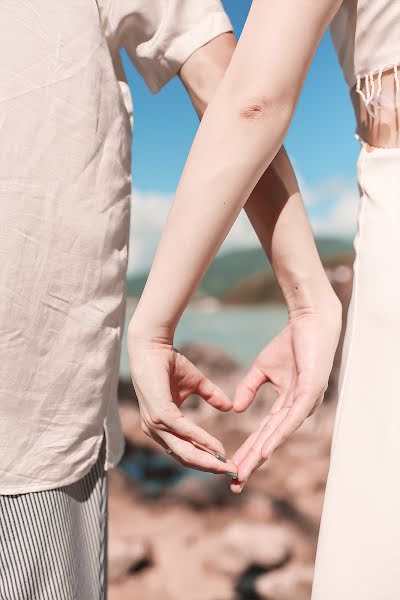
{"points": [[242, 331]]}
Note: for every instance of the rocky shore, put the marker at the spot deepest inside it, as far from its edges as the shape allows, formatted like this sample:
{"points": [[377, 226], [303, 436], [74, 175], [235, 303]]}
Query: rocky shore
{"points": [[178, 534]]}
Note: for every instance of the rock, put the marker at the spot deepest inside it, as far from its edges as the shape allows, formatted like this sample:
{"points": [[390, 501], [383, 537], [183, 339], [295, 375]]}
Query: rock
{"points": [[308, 476], [242, 545], [121, 485], [309, 506], [198, 539], [203, 492], [126, 391], [292, 582], [131, 427], [126, 556], [259, 507], [210, 359]]}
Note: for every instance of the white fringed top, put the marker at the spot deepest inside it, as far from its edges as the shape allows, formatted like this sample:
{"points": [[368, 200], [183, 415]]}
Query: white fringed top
{"points": [[366, 35]]}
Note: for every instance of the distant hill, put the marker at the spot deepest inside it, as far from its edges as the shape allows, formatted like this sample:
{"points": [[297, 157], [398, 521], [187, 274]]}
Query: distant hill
{"points": [[262, 287], [232, 272]]}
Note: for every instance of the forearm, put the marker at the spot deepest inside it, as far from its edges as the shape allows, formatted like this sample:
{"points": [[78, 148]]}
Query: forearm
{"points": [[275, 207], [277, 213], [207, 202], [241, 132]]}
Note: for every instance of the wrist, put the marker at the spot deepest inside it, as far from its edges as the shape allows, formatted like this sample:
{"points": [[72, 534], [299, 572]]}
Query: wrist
{"points": [[312, 295], [143, 328]]}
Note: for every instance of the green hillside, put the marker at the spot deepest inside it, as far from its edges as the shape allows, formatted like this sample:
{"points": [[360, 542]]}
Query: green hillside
{"points": [[263, 287], [230, 269]]}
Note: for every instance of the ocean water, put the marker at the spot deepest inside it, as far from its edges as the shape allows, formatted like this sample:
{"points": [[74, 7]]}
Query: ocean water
{"points": [[241, 331]]}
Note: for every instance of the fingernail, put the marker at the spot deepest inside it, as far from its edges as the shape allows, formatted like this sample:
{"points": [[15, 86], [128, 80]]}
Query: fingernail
{"points": [[233, 475], [220, 457]]}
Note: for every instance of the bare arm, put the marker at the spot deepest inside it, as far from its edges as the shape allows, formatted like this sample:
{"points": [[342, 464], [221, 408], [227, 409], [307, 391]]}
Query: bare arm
{"points": [[307, 345], [241, 131], [275, 207]]}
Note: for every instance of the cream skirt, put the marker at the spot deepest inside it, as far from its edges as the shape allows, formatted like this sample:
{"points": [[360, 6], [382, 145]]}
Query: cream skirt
{"points": [[358, 553]]}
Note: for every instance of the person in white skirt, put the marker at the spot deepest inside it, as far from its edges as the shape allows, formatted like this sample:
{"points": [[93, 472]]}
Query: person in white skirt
{"points": [[239, 141]]}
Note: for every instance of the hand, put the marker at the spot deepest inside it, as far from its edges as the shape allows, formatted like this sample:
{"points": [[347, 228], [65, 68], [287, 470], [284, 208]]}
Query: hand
{"points": [[297, 362], [163, 378]]}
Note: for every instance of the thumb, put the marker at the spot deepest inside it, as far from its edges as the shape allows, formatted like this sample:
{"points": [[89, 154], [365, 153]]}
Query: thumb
{"points": [[196, 382], [247, 388], [212, 394]]}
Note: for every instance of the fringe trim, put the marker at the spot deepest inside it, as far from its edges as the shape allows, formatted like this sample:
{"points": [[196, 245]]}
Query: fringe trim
{"points": [[372, 94]]}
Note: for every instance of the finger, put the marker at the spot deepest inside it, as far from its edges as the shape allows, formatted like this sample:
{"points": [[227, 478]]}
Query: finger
{"points": [[174, 421], [293, 420], [244, 448], [247, 388], [191, 456], [284, 401], [254, 457], [238, 457], [317, 405], [213, 394], [242, 452]]}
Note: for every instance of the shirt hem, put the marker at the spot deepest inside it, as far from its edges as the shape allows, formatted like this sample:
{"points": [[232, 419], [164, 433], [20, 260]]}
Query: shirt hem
{"points": [[43, 487], [352, 82]]}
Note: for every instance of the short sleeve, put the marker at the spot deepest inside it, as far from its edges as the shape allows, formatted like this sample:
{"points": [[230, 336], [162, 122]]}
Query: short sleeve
{"points": [[160, 35]]}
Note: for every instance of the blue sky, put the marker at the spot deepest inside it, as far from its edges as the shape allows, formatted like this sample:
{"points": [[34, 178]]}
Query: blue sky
{"points": [[320, 143]]}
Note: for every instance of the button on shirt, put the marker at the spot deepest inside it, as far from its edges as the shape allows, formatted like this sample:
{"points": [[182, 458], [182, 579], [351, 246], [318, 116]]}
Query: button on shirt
{"points": [[65, 182]]}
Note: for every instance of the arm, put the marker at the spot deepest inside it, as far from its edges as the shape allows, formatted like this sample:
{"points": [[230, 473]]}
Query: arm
{"points": [[275, 207], [241, 132], [276, 211]]}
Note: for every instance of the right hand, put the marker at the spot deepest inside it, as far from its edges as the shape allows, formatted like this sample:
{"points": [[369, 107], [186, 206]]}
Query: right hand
{"points": [[297, 362], [163, 378]]}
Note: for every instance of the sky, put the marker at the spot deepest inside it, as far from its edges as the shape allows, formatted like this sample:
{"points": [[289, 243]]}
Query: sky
{"points": [[320, 143]]}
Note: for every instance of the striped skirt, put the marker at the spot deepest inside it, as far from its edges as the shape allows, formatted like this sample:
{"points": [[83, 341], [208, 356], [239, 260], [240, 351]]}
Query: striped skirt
{"points": [[53, 544]]}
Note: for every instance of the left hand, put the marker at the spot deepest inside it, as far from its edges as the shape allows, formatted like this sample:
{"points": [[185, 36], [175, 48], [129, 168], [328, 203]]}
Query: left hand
{"points": [[163, 378], [297, 362]]}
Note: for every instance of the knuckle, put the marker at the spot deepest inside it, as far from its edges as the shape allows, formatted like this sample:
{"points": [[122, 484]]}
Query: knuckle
{"points": [[155, 420], [281, 439], [144, 427], [158, 419], [253, 452], [298, 422], [185, 458], [296, 419]]}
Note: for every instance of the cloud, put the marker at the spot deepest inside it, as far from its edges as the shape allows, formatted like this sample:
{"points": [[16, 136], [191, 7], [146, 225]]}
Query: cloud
{"points": [[149, 213], [341, 219], [331, 206]]}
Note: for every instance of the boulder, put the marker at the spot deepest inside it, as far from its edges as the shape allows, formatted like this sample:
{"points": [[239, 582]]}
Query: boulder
{"points": [[242, 545], [126, 556], [289, 583]]}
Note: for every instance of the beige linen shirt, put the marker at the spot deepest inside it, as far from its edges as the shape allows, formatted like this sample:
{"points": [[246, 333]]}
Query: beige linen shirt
{"points": [[65, 183]]}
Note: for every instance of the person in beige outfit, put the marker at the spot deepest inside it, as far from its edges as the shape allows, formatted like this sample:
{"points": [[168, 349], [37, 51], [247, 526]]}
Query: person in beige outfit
{"points": [[66, 117]]}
